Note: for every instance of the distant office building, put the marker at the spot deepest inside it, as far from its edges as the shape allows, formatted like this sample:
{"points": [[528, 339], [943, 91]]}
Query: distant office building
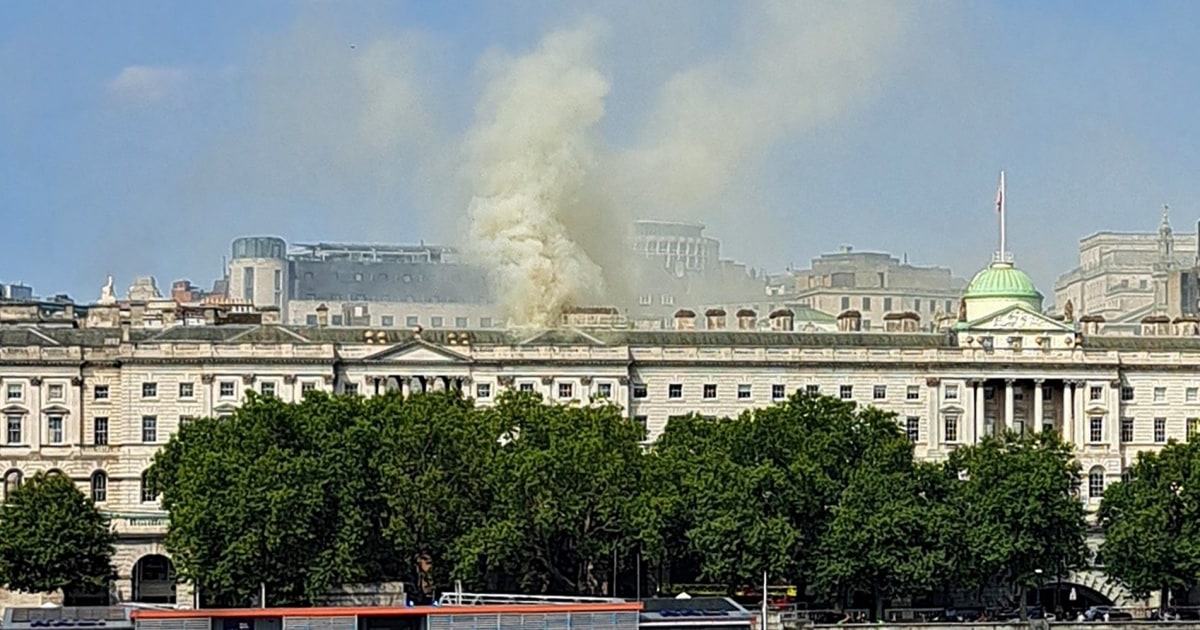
{"points": [[15, 291], [1123, 278], [872, 283]]}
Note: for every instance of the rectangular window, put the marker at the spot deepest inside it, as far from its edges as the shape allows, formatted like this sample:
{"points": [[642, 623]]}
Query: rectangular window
{"points": [[483, 390], [412, 320], [1160, 394], [912, 392], [387, 321], [917, 305], [1126, 393], [307, 386], [639, 390], [743, 391], [335, 320], [641, 421], [866, 304], [952, 392], [778, 392], [845, 303], [435, 321], [710, 391], [912, 428], [99, 487], [55, 391], [485, 322], [15, 434], [267, 388], [525, 387], [149, 429], [1096, 485], [100, 431], [879, 392], [310, 320], [460, 322], [1160, 430], [100, 392], [846, 392], [1191, 394], [951, 426], [604, 390], [248, 284], [887, 304], [565, 390], [149, 390], [1193, 427], [185, 420], [675, 390], [350, 389], [1126, 429], [14, 391], [54, 429], [812, 390], [1095, 393], [227, 389], [149, 494], [187, 390], [1096, 432]]}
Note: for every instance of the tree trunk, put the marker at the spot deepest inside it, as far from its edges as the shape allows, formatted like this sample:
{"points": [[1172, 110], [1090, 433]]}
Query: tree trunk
{"points": [[877, 599], [1164, 601]]}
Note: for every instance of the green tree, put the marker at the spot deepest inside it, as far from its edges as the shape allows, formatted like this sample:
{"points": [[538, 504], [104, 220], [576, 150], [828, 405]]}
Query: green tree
{"points": [[52, 538], [1152, 522], [432, 459], [1019, 512], [561, 486], [893, 530], [273, 496]]}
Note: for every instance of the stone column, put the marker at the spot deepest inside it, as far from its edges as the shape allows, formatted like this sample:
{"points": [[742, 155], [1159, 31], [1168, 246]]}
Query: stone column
{"points": [[936, 430], [980, 424], [966, 423], [1113, 425], [1080, 417], [1068, 411], [1038, 404], [1008, 404], [36, 419]]}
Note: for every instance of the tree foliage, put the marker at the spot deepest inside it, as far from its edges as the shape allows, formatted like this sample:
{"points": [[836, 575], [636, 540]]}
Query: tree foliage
{"points": [[1017, 501], [557, 498], [52, 538], [1152, 522]]}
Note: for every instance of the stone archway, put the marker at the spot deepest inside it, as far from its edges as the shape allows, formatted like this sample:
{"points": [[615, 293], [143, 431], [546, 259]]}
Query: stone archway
{"points": [[154, 580], [1070, 597]]}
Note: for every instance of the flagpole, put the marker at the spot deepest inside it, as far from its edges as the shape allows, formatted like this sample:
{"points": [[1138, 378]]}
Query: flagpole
{"points": [[1003, 201]]}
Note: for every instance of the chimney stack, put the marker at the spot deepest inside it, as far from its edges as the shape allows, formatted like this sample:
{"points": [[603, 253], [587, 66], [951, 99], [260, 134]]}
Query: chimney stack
{"points": [[747, 319], [322, 316], [849, 321], [782, 320], [714, 319], [685, 319]]}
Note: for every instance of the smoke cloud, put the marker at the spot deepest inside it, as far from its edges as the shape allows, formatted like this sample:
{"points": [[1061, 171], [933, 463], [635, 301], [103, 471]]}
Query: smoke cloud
{"points": [[531, 154]]}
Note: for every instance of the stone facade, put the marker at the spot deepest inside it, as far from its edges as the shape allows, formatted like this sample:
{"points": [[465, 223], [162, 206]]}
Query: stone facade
{"points": [[94, 393]]}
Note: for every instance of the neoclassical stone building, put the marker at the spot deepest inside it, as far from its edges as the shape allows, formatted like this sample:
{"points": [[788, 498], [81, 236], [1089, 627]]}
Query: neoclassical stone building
{"points": [[93, 392]]}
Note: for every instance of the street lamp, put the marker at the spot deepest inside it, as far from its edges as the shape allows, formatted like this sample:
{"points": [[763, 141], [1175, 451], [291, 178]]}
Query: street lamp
{"points": [[1038, 573]]}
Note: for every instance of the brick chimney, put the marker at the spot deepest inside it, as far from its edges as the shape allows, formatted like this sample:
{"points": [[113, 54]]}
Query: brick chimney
{"points": [[782, 320], [714, 319], [747, 319], [685, 319]]}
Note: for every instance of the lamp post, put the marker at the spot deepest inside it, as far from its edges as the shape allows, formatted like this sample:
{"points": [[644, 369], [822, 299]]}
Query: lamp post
{"points": [[1038, 573]]}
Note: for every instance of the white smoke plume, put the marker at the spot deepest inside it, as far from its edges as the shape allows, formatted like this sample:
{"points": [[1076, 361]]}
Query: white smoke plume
{"points": [[793, 65], [531, 153]]}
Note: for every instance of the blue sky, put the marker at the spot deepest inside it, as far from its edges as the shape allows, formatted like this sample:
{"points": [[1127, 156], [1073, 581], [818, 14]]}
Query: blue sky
{"points": [[141, 137]]}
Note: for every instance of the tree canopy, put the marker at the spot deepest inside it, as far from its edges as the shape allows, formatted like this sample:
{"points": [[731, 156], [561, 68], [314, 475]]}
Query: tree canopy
{"points": [[566, 498], [52, 538], [1152, 522]]}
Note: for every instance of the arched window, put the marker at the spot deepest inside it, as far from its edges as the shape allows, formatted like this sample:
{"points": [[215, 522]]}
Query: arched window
{"points": [[12, 481], [149, 493], [99, 486], [1096, 482]]}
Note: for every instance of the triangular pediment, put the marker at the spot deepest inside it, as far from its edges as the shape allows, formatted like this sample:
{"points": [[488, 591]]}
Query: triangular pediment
{"points": [[1017, 318], [419, 351]]}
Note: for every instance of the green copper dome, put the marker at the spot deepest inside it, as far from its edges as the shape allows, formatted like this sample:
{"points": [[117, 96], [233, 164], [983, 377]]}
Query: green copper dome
{"points": [[1002, 280]]}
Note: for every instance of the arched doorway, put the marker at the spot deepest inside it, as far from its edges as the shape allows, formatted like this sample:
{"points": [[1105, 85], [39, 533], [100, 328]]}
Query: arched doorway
{"points": [[1069, 597], [154, 580]]}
